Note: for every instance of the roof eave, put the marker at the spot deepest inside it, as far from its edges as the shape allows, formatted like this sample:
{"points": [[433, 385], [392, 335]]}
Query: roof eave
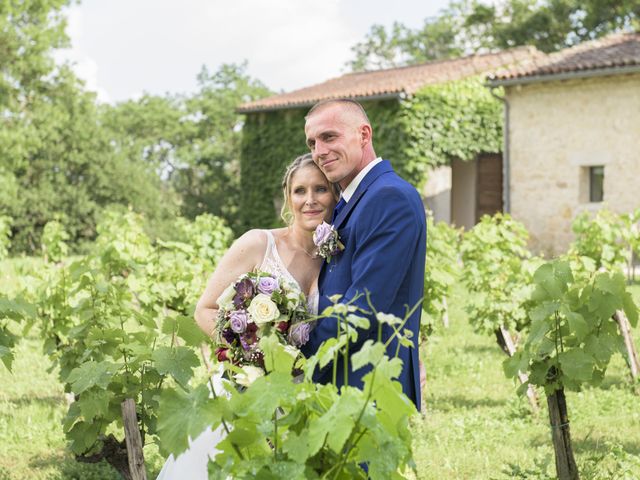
{"points": [[600, 72], [290, 106]]}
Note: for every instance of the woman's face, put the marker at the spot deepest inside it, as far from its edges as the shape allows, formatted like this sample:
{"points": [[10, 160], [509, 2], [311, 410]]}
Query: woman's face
{"points": [[311, 197]]}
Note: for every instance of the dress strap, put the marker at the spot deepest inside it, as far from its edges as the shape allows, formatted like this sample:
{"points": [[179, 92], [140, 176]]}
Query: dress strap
{"points": [[271, 244]]}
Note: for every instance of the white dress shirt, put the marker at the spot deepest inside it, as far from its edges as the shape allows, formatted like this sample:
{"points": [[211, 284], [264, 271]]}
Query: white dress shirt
{"points": [[348, 192]]}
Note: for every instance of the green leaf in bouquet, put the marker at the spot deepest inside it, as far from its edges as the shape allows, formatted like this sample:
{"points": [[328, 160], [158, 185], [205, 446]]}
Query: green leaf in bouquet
{"points": [[178, 362], [186, 414], [91, 374]]}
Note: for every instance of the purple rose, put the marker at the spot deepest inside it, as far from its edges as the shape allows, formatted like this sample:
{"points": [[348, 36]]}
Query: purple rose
{"points": [[267, 285], [322, 233], [299, 334], [238, 321], [245, 290]]}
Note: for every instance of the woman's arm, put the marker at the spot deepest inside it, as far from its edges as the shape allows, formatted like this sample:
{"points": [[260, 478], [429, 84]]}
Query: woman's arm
{"points": [[243, 256]]}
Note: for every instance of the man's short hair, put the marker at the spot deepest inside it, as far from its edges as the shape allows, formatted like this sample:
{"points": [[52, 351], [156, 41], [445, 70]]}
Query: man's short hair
{"points": [[351, 105]]}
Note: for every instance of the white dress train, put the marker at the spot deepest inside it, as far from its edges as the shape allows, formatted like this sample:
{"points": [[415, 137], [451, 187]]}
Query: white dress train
{"points": [[192, 463]]}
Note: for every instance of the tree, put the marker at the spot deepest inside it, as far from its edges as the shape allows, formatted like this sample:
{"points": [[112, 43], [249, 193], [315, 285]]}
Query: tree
{"points": [[68, 170], [472, 26], [436, 40], [193, 142]]}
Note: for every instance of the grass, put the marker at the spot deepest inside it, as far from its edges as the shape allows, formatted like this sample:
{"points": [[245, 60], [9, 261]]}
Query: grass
{"points": [[473, 425]]}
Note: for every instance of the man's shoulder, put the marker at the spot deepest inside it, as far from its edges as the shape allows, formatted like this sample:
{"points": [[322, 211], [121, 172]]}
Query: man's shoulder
{"points": [[390, 182]]}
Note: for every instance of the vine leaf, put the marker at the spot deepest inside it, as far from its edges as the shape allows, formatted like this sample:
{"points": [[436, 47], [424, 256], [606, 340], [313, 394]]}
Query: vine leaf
{"points": [[91, 374], [185, 414], [178, 362]]}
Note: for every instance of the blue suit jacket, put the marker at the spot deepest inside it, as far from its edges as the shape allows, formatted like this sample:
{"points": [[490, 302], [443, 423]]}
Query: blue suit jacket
{"points": [[383, 228]]}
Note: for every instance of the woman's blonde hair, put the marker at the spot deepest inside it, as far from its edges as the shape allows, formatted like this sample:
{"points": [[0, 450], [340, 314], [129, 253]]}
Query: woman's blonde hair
{"points": [[300, 162]]}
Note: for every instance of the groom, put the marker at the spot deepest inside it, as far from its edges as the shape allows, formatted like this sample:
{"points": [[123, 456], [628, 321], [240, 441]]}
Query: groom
{"points": [[381, 222]]}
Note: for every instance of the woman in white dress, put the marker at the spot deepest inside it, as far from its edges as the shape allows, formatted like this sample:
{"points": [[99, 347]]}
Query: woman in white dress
{"points": [[289, 253]]}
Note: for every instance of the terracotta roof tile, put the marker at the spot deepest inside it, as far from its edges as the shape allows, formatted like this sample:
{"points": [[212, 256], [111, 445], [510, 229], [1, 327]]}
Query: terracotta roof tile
{"points": [[617, 50], [393, 81]]}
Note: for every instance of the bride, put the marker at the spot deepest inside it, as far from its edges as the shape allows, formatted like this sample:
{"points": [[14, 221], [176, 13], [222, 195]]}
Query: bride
{"points": [[289, 253]]}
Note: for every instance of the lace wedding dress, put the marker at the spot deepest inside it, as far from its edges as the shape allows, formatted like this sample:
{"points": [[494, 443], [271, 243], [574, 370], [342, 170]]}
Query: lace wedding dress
{"points": [[192, 463]]}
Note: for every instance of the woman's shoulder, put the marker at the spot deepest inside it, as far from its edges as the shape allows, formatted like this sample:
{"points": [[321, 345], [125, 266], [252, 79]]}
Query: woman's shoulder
{"points": [[253, 239]]}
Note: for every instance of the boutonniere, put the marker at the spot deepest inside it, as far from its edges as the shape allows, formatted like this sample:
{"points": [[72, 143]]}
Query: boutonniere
{"points": [[327, 240]]}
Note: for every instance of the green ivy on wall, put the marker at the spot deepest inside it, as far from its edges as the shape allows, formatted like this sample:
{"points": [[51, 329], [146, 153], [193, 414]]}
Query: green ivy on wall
{"points": [[451, 120]]}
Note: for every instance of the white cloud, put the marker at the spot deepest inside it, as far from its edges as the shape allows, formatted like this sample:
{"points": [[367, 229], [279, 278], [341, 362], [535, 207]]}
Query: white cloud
{"points": [[85, 67], [124, 47]]}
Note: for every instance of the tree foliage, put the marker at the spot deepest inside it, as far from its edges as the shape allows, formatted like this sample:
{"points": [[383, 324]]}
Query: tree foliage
{"points": [[473, 26], [498, 272], [67, 158], [192, 142]]}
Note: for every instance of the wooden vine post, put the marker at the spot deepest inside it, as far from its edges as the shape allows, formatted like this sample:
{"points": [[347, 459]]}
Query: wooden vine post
{"points": [[133, 439], [508, 345], [632, 355], [560, 435]]}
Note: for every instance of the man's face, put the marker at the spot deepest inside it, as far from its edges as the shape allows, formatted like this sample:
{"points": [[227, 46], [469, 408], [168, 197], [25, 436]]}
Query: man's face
{"points": [[336, 143]]}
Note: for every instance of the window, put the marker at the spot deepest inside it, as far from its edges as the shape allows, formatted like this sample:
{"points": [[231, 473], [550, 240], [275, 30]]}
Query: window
{"points": [[596, 184]]}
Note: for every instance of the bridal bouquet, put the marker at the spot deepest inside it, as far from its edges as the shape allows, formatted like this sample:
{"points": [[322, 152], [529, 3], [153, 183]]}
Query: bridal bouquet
{"points": [[255, 306]]}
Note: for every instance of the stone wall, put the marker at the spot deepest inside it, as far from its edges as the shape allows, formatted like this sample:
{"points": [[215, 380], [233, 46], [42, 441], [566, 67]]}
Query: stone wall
{"points": [[557, 131]]}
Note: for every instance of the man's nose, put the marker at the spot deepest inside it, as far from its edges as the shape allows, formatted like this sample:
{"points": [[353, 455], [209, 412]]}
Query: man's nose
{"points": [[320, 148]]}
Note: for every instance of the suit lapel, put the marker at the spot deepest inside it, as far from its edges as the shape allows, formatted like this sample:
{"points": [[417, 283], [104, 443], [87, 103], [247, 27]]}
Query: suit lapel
{"points": [[383, 167]]}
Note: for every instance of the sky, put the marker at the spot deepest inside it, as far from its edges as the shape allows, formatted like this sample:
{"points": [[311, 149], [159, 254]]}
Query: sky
{"points": [[124, 48]]}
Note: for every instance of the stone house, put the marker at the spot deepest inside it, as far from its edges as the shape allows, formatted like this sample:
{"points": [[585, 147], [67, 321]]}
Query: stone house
{"points": [[455, 190], [572, 136]]}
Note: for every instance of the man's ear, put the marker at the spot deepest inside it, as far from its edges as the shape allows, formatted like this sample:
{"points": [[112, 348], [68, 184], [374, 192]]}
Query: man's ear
{"points": [[365, 134]]}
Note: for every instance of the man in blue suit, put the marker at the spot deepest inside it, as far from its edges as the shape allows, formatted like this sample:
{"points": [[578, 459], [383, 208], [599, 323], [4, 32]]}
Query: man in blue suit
{"points": [[383, 228]]}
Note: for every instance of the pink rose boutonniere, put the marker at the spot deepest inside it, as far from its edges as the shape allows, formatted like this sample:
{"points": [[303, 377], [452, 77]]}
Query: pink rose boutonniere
{"points": [[327, 240]]}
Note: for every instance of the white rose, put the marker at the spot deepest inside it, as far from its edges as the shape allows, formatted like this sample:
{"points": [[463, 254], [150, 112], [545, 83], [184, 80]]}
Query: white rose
{"points": [[248, 375], [225, 300], [262, 309]]}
